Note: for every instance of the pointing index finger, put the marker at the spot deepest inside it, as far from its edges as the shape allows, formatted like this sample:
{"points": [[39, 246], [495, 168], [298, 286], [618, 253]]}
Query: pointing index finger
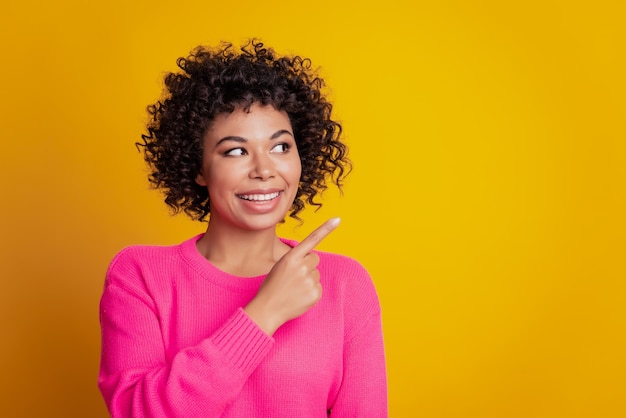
{"points": [[315, 237]]}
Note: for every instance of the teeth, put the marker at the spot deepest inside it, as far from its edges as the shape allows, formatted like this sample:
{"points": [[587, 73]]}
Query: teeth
{"points": [[259, 197]]}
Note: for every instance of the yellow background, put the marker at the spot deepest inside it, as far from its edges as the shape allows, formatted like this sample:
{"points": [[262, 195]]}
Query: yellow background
{"points": [[487, 200]]}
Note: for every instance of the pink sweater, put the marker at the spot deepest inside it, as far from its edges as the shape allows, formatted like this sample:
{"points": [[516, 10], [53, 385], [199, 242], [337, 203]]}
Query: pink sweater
{"points": [[177, 343]]}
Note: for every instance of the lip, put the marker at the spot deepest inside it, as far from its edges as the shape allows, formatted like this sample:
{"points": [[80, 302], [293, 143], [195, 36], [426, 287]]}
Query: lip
{"points": [[260, 191], [260, 201], [259, 195]]}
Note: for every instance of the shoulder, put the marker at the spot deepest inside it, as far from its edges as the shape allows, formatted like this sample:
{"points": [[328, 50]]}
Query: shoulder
{"points": [[341, 265], [139, 254], [137, 262], [334, 262], [348, 284], [342, 272], [347, 275]]}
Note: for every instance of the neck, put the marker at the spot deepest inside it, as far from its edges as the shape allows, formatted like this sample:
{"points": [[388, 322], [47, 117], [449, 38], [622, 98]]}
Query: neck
{"points": [[241, 252]]}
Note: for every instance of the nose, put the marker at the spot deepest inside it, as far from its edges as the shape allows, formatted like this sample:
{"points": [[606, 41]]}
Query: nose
{"points": [[262, 167]]}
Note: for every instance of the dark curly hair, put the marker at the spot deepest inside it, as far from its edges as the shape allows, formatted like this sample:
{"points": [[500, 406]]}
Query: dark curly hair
{"points": [[219, 80]]}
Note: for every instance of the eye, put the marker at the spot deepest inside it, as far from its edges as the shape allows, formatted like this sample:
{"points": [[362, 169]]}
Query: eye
{"points": [[235, 152], [280, 148]]}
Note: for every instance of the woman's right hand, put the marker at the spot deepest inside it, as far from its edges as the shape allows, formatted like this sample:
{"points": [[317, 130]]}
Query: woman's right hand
{"points": [[292, 286]]}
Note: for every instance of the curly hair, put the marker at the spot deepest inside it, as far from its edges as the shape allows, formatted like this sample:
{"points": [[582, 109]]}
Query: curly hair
{"points": [[219, 80]]}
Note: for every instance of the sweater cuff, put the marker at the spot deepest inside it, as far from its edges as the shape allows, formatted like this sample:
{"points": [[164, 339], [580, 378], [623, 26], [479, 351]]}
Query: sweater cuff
{"points": [[242, 342]]}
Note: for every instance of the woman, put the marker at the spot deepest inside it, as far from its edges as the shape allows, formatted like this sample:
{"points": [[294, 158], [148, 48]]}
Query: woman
{"points": [[237, 322]]}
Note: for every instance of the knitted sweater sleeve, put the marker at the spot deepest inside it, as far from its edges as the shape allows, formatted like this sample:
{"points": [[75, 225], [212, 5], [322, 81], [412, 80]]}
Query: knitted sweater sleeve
{"points": [[136, 377], [363, 390]]}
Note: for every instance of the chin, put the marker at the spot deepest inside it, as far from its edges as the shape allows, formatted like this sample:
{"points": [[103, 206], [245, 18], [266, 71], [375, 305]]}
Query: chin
{"points": [[260, 223]]}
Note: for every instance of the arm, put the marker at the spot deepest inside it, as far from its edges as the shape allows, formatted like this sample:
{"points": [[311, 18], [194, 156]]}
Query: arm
{"points": [[363, 391], [136, 378]]}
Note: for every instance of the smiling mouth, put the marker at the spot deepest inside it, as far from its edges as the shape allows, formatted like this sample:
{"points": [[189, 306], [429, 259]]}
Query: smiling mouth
{"points": [[259, 197]]}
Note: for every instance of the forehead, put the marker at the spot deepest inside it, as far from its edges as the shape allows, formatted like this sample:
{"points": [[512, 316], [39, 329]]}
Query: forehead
{"points": [[258, 122]]}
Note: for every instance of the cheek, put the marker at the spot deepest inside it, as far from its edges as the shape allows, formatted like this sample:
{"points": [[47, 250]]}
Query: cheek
{"points": [[224, 172], [219, 181], [296, 169]]}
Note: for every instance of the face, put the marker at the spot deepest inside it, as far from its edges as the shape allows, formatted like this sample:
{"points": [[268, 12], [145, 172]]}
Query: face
{"points": [[251, 167]]}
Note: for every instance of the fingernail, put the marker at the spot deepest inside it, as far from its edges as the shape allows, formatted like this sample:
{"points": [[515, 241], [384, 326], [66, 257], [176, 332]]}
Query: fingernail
{"points": [[334, 222]]}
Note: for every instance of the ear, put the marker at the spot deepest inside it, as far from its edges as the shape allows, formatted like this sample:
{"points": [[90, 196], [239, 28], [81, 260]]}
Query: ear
{"points": [[200, 179]]}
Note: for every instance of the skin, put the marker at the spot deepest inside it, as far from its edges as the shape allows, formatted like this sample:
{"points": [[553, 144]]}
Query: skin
{"points": [[251, 168]]}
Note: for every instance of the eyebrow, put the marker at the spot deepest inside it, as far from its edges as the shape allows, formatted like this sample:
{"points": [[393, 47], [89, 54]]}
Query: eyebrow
{"points": [[243, 140]]}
